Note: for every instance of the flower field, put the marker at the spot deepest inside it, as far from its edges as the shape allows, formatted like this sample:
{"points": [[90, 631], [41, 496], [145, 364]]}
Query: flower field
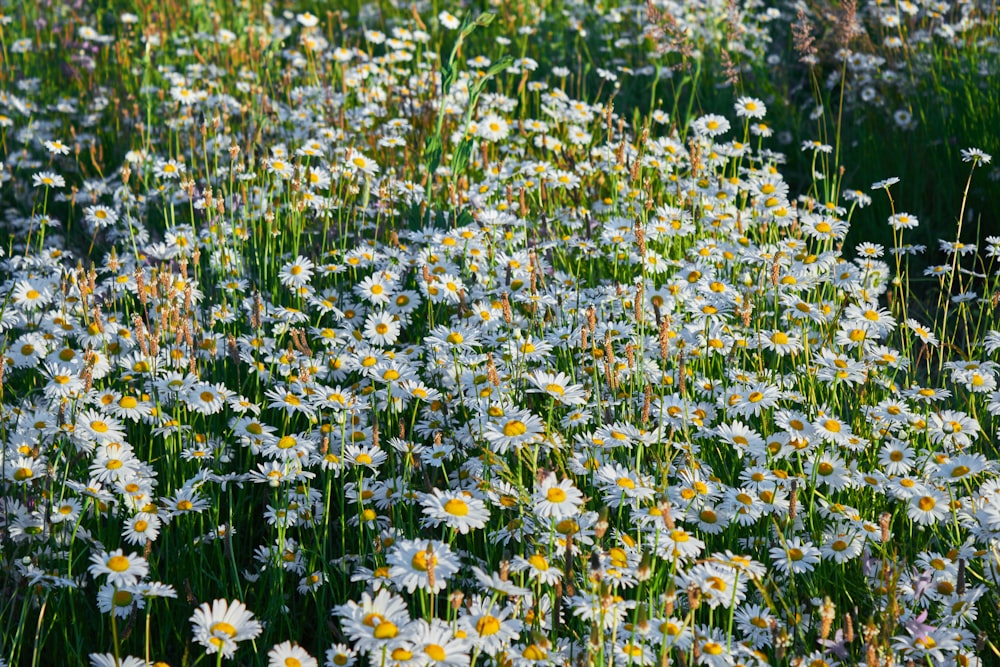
{"points": [[500, 333]]}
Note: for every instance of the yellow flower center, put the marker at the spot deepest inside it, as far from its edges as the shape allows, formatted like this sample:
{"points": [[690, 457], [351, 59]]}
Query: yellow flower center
{"points": [[456, 507], [118, 563]]}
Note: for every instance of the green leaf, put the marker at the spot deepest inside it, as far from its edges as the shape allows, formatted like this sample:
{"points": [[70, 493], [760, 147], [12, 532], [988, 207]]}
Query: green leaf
{"points": [[447, 78], [460, 158], [432, 154]]}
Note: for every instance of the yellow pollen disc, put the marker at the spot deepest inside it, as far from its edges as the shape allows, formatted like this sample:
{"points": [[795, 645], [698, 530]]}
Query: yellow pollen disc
{"points": [[487, 625], [538, 562], [533, 652], [435, 652], [420, 561], [118, 563], [555, 495], [223, 628], [456, 507], [514, 428], [386, 630]]}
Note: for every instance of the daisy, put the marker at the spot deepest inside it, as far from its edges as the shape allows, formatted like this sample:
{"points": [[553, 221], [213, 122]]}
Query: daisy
{"points": [[750, 107], [927, 508], [219, 626], [842, 545], [710, 125], [440, 645], [23, 469], [119, 600], [457, 510], [452, 338], [122, 570], [538, 567], [448, 20], [903, 221], [100, 216], [130, 407], [780, 342], [28, 296], [493, 128], [381, 328], [340, 655], [141, 528], [296, 273], [423, 564], [557, 385], [47, 179], [356, 161], [287, 654], [66, 511], [168, 169], [953, 429], [375, 289], [528, 349], [963, 467], [795, 557], [492, 625], [556, 500], [109, 660], [514, 429], [63, 382], [207, 399], [57, 147], [185, 501]]}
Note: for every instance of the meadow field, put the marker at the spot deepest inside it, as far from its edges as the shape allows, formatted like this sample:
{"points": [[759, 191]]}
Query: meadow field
{"points": [[541, 332]]}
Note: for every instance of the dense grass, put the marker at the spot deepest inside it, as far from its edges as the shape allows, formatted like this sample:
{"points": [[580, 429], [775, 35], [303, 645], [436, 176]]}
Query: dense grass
{"points": [[536, 333]]}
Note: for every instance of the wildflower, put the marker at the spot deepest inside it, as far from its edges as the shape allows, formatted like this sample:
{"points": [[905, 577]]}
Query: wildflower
{"points": [[953, 429], [493, 128], [556, 500], [454, 338], [842, 545], [925, 334], [375, 289], [795, 557], [381, 328], [750, 107], [976, 156], [375, 622], [448, 20], [440, 645], [423, 564], [557, 386], [48, 179], [885, 183], [122, 570], [491, 625], [141, 528], [710, 125], [514, 429], [903, 221], [455, 509], [119, 600], [56, 147], [287, 654], [169, 169], [928, 507], [109, 660], [297, 273], [219, 626], [356, 162], [100, 216], [339, 655]]}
